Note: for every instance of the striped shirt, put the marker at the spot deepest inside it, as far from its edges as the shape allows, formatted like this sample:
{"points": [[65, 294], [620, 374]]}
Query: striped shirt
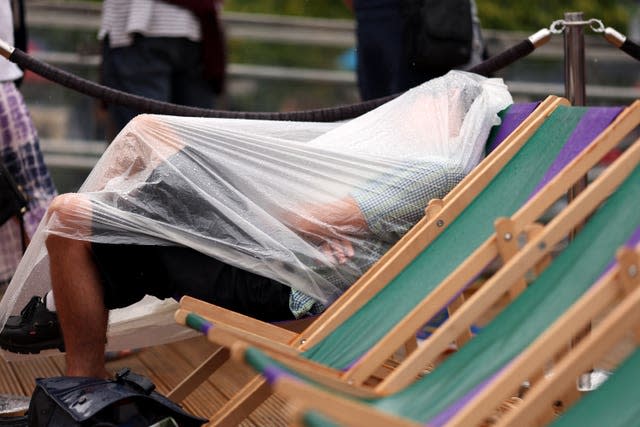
{"points": [[121, 19]]}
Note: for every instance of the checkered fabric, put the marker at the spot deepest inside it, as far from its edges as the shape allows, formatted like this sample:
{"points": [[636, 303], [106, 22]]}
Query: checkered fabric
{"points": [[391, 204], [20, 153]]}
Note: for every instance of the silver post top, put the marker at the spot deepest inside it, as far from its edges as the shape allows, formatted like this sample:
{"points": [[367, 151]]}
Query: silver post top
{"points": [[614, 37], [540, 37], [573, 16], [6, 49]]}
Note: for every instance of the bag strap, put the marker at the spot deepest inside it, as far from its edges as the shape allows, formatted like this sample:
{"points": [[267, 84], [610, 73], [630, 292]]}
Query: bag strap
{"points": [[138, 382]]}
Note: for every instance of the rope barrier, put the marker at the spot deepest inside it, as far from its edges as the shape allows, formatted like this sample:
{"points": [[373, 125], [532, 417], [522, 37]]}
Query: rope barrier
{"points": [[630, 48], [622, 42], [333, 114]]}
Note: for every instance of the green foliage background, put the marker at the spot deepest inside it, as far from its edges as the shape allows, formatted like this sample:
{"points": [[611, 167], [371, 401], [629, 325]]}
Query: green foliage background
{"points": [[532, 15], [495, 14]]}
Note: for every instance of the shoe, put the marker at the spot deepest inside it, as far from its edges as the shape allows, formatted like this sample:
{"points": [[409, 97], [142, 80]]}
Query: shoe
{"points": [[34, 330], [13, 406]]}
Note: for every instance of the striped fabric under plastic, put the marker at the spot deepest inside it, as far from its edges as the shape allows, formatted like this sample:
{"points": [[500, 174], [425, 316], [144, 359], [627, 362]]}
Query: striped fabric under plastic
{"points": [[507, 192]]}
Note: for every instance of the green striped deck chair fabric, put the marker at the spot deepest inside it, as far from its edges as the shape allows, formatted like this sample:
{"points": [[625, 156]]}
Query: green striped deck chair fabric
{"points": [[435, 398]]}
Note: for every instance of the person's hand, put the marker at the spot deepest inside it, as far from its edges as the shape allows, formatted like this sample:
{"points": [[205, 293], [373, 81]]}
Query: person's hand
{"points": [[329, 225], [338, 251]]}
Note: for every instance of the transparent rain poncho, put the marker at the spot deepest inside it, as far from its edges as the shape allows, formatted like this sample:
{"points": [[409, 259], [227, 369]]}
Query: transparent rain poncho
{"points": [[311, 205]]}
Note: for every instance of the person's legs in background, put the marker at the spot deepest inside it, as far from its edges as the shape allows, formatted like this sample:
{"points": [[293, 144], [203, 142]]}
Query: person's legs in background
{"points": [[21, 155], [141, 69], [379, 50], [162, 68], [384, 67], [188, 85]]}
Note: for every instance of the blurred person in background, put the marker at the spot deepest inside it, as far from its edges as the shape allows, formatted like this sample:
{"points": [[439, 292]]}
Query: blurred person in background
{"points": [[171, 50], [402, 43], [19, 148]]}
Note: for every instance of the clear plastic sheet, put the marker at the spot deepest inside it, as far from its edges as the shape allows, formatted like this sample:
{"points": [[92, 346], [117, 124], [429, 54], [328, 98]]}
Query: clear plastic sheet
{"points": [[311, 205]]}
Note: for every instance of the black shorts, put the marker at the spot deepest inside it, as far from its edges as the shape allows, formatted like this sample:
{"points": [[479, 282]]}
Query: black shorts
{"points": [[129, 272]]}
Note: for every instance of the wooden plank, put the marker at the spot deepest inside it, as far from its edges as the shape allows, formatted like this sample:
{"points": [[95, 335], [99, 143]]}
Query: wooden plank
{"points": [[9, 383], [169, 368], [27, 371]]}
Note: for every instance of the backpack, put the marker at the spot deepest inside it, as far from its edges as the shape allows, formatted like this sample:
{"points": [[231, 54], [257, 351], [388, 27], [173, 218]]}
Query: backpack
{"points": [[128, 400]]}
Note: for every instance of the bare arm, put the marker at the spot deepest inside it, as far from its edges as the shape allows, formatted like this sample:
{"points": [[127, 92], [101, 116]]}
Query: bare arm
{"points": [[329, 225]]}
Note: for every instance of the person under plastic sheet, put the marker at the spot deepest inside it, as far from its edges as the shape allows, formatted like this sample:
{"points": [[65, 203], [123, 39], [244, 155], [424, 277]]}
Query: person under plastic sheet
{"points": [[271, 219]]}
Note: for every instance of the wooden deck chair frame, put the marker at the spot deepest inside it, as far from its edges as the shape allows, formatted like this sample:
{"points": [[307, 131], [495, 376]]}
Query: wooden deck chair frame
{"points": [[551, 342], [620, 289], [425, 231], [614, 133]]}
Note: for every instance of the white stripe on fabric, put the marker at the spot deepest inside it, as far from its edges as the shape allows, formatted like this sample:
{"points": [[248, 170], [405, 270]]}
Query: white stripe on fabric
{"points": [[123, 18]]}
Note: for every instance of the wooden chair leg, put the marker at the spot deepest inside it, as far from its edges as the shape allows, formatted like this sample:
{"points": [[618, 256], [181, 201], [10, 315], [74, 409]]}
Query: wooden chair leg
{"points": [[199, 375], [242, 403], [507, 242], [466, 335]]}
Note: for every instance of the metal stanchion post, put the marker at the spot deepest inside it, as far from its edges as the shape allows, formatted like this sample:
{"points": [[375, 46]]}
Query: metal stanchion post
{"points": [[575, 92], [574, 73]]}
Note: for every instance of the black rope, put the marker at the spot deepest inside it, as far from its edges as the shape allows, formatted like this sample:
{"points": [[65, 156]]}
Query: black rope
{"points": [[505, 58], [147, 105], [630, 48]]}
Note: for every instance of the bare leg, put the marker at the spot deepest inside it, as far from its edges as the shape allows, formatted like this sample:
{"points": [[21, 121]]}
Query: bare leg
{"points": [[79, 299]]}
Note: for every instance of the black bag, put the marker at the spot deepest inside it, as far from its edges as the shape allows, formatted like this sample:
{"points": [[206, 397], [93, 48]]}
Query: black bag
{"points": [[439, 33], [13, 201], [79, 401]]}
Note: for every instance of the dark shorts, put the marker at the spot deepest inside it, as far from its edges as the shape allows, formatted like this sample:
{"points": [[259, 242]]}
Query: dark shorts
{"points": [[129, 272], [162, 68]]}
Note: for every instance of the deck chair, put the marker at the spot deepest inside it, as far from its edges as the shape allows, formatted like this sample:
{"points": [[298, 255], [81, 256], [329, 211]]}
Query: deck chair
{"points": [[615, 403], [519, 120], [423, 244], [437, 397]]}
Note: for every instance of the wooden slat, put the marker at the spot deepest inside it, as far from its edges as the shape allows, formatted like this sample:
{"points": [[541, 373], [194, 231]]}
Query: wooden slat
{"points": [[168, 367], [9, 383], [26, 372], [228, 379]]}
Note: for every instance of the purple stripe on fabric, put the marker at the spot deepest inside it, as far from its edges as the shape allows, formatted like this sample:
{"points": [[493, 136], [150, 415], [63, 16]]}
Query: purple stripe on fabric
{"points": [[273, 373], [635, 239], [512, 119], [594, 121], [445, 416], [206, 328]]}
